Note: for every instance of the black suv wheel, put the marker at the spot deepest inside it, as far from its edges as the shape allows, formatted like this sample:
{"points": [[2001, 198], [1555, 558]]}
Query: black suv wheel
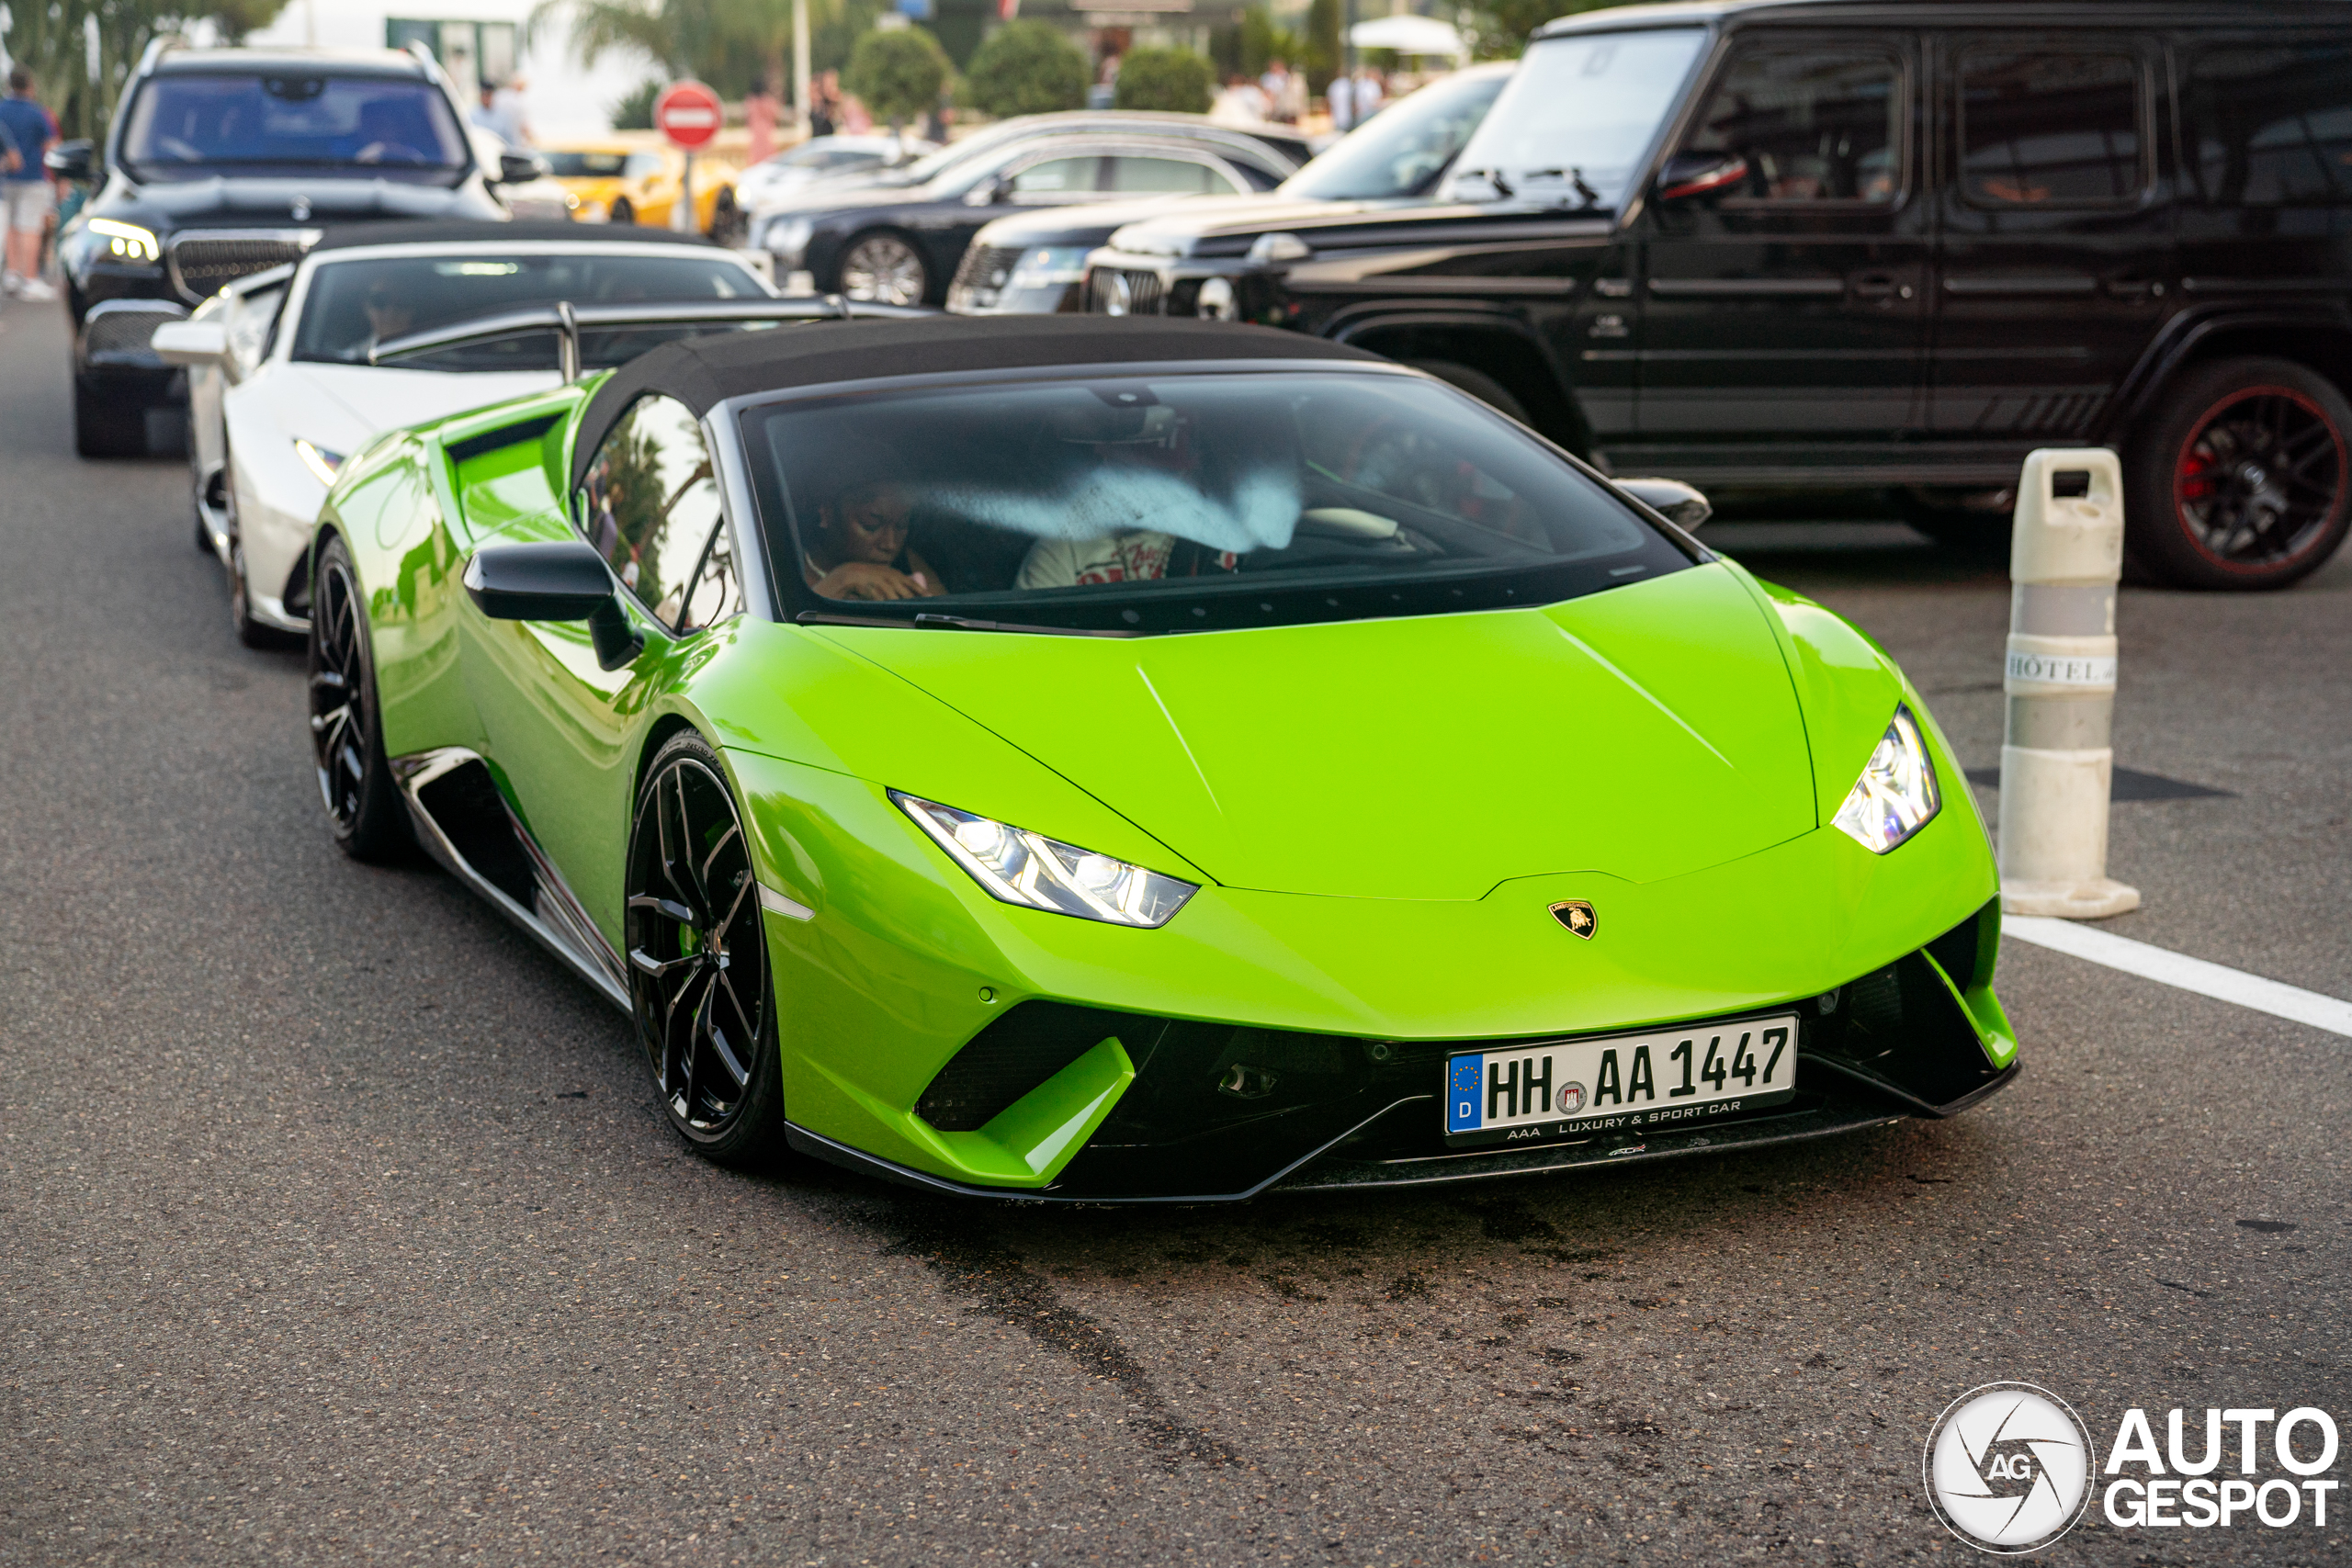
{"points": [[2245, 480]]}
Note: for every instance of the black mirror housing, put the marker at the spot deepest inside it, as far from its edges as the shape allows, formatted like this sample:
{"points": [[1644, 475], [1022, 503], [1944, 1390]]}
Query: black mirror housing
{"points": [[76, 160], [519, 168], [564, 580]]}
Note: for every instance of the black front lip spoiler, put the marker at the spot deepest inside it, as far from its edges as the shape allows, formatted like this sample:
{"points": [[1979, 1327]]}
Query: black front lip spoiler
{"points": [[1322, 1170]]}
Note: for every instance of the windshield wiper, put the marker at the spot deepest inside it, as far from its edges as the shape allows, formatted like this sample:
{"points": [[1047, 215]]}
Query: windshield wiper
{"points": [[953, 622], [1576, 181], [1492, 176]]}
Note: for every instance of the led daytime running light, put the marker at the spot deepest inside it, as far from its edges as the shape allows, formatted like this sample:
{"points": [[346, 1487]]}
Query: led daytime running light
{"points": [[127, 241], [1896, 795], [1017, 866]]}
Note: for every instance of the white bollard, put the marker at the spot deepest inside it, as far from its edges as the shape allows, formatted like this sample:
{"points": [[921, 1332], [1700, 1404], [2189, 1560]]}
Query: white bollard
{"points": [[2057, 750]]}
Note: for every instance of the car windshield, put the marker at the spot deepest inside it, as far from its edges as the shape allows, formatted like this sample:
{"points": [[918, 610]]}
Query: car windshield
{"points": [[584, 165], [354, 305], [1577, 117], [1401, 150], [185, 125], [1183, 502], [952, 159]]}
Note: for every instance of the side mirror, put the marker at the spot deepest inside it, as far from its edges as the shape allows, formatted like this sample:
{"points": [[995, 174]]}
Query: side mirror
{"points": [[561, 580], [1687, 175], [989, 192], [519, 168], [190, 343], [76, 160], [1683, 505]]}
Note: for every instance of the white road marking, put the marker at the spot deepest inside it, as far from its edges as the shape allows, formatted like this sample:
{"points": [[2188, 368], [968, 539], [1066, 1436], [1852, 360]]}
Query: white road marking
{"points": [[2169, 968]]}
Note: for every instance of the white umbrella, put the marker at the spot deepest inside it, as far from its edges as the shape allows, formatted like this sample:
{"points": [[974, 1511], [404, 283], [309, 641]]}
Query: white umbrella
{"points": [[1409, 35]]}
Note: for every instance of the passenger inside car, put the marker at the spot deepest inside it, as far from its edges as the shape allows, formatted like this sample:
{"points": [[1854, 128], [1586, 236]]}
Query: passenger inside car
{"points": [[858, 548]]}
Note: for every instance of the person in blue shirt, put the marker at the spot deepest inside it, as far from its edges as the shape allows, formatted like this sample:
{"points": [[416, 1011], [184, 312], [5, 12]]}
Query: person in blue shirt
{"points": [[26, 199]]}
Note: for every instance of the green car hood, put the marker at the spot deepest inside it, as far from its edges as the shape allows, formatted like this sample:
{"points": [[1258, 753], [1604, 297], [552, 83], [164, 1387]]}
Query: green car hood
{"points": [[1648, 731]]}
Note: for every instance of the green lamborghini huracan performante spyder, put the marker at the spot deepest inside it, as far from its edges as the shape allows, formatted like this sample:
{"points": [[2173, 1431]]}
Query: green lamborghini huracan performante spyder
{"points": [[1071, 759]]}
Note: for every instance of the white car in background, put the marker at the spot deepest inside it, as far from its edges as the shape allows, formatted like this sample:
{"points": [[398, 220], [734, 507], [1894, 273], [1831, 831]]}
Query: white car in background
{"points": [[283, 383]]}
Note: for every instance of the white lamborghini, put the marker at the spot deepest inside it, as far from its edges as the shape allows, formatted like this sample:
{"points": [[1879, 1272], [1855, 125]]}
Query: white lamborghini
{"points": [[292, 369]]}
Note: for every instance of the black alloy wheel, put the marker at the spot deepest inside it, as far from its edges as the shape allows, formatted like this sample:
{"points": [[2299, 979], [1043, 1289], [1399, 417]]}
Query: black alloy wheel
{"points": [[885, 268], [697, 958], [346, 734], [2247, 479]]}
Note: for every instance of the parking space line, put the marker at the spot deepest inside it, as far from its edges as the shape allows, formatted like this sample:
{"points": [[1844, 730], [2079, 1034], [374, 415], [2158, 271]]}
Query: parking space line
{"points": [[2169, 968]]}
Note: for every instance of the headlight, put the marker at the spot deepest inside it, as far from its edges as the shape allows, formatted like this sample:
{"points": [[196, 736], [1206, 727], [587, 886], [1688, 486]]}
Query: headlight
{"points": [[1215, 301], [128, 241], [1896, 795], [1038, 873], [1049, 266], [319, 460], [789, 239]]}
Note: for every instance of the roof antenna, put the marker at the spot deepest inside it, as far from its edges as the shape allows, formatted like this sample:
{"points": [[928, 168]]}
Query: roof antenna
{"points": [[567, 341]]}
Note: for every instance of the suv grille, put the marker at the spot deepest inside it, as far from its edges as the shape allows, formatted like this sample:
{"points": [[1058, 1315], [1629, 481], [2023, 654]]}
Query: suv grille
{"points": [[120, 334], [981, 278], [204, 264], [1114, 292]]}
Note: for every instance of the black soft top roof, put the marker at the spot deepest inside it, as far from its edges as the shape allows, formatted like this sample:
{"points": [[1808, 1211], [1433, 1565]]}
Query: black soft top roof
{"points": [[491, 232], [706, 371]]}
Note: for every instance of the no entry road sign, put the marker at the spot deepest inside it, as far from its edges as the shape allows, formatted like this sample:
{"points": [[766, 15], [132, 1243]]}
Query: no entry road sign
{"points": [[688, 114]]}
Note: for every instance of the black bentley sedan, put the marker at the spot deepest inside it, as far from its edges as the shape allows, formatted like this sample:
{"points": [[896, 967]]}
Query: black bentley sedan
{"points": [[898, 239], [226, 161]]}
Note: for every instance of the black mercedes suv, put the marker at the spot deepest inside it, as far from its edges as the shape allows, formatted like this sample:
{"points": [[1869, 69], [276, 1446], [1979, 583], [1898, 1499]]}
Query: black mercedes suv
{"points": [[223, 163], [1821, 244]]}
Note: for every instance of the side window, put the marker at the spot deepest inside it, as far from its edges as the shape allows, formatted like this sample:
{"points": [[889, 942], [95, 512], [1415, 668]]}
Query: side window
{"points": [[1166, 176], [1810, 126], [2051, 129], [1056, 176], [650, 504], [2270, 125]]}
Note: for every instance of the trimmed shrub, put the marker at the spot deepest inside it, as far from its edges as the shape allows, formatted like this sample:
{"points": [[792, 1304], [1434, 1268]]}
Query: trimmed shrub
{"points": [[900, 73], [1173, 79], [1026, 67]]}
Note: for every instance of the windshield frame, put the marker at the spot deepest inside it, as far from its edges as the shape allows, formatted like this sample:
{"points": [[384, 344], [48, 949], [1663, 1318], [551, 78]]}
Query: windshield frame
{"points": [[441, 175], [297, 300], [1296, 184], [1215, 606], [1664, 132]]}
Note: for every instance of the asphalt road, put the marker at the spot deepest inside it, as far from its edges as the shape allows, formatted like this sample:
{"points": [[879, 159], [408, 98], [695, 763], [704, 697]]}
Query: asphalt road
{"points": [[337, 1224]]}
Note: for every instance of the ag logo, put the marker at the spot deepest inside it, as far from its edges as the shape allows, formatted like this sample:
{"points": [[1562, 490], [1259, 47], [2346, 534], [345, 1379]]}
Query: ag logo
{"points": [[2009, 1467], [1578, 916]]}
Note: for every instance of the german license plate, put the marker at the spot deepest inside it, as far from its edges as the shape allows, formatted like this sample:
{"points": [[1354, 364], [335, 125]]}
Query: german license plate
{"points": [[1574, 1088]]}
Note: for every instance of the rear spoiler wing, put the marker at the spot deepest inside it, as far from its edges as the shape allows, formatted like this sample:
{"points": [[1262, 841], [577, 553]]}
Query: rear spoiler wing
{"points": [[569, 320]]}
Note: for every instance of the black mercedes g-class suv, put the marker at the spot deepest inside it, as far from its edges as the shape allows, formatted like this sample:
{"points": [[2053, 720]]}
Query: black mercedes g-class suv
{"points": [[226, 161], [1820, 244]]}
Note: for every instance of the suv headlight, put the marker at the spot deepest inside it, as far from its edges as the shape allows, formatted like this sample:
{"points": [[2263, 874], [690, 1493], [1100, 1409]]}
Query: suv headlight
{"points": [[1896, 795], [1049, 266], [1216, 301], [126, 241], [1037, 872]]}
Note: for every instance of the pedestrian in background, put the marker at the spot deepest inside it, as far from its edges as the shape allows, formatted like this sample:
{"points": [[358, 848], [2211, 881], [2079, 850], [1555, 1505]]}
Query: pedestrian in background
{"points": [[27, 197], [823, 109], [763, 107], [1339, 98]]}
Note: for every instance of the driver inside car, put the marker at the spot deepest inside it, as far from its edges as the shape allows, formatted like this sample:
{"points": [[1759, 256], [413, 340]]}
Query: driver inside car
{"points": [[1132, 461], [859, 550]]}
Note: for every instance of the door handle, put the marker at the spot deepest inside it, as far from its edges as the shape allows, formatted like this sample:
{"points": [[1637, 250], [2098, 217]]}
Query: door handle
{"points": [[2134, 289], [1879, 285]]}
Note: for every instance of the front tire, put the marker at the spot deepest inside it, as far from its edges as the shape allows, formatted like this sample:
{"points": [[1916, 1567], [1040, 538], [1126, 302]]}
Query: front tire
{"points": [[103, 427], [2244, 479], [621, 211], [697, 959], [347, 724], [886, 269]]}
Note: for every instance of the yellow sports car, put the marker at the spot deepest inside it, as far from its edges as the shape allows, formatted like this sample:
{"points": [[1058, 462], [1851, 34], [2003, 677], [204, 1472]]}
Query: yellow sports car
{"points": [[630, 179]]}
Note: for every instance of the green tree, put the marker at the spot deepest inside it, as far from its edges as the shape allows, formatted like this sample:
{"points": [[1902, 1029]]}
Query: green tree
{"points": [[900, 73], [633, 110], [729, 44], [1174, 79], [1026, 67], [1323, 56]]}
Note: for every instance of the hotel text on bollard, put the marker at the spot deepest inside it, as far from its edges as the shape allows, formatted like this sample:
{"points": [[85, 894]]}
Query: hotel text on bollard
{"points": [[2057, 753]]}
